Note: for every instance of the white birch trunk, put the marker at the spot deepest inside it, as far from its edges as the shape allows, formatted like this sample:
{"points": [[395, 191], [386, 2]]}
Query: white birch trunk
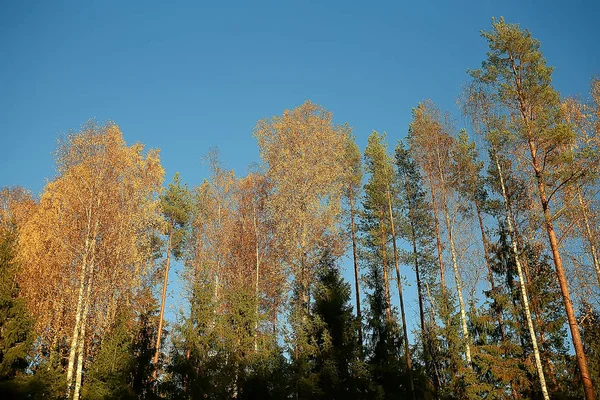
{"points": [[524, 297], [461, 302]]}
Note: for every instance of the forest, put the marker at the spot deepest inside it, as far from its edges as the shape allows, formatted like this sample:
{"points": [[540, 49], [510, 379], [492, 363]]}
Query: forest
{"points": [[494, 223]]}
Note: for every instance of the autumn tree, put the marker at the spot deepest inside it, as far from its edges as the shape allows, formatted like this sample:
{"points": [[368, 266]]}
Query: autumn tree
{"points": [[432, 144], [87, 245], [303, 153]]}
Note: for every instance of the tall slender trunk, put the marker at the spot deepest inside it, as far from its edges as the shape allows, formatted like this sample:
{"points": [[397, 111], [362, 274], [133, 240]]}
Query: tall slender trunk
{"points": [[413, 238], [484, 241], [162, 304], [522, 284], [81, 345], [400, 296], [89, 250], [588, 386], [256, 288], [538, 321], [438, 236], [458, 281], [356, 276], [438, 377], [386, 282], [78, 312], [589, 235]]}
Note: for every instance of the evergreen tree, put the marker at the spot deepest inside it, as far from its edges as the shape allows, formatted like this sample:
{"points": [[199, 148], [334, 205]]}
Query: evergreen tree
{"points": [[341, 372], [516, 70], [175, 204]]}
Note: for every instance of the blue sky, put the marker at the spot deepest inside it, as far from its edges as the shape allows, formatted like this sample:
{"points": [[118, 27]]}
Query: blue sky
{"points": [[187, 76]]}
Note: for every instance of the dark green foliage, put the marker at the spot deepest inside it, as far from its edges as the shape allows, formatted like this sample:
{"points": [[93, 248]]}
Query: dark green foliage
{"points": [[122, 369], [15, 323], [341, 374], [176, 205]]}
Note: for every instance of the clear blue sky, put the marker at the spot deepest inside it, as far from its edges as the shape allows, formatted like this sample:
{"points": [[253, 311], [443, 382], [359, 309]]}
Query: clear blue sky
{"points": [[186, 76]]}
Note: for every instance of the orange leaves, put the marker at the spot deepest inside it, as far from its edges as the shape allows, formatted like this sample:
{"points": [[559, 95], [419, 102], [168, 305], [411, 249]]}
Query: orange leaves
{"points": [[303, 151], [105, 194]]}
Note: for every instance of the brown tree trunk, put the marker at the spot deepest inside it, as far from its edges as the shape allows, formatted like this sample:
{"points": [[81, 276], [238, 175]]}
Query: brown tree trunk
{"points": [[438, 237], [356, 276], [162, 305], [588, 386], [401, 298], [386, 282]]}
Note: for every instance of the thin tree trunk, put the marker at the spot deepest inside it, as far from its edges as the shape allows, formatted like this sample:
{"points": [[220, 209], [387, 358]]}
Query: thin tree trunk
{"points": [[386, 282], [438, 376], [426, 344], [589, 235], [401, 297], [256, 288], [356, 276], [438, 236], [484, 241], [538, 321], [162, 305], [76, 328], [89, 249], [588, 386], [81, 345], [461, 302], [522, 284]]}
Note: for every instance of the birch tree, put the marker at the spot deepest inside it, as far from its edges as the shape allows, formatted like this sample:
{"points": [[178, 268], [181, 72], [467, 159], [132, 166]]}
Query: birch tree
{"points": [[303, 154], [94, 218]]}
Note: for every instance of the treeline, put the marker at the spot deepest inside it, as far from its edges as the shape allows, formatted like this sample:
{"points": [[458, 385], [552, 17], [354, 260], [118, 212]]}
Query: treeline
{"points": [[495, 225]]}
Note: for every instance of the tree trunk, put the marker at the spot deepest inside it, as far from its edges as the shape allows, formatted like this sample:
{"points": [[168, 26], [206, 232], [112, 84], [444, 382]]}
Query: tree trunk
{"points": [[524, 297], [438, 237], [76, 328], [386, 282], [461, 302], [589, 235], [588, 386], [256, 288], [356, 276], [401, 298], [81, 345], [89, 251], [162, 305]]}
